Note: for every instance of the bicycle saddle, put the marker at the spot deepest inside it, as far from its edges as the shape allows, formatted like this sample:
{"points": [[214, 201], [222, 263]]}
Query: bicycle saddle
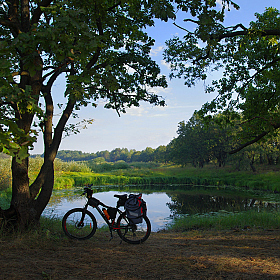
{"points": [[121, 196]]}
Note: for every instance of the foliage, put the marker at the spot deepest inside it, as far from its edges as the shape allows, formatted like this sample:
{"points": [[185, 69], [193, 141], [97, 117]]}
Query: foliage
{"points": [[198, 143], [249, 60], [6, 174], [100, 48]]}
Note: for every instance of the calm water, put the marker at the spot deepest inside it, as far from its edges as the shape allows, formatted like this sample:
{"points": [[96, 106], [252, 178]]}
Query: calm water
{"points": [[163, 206]]}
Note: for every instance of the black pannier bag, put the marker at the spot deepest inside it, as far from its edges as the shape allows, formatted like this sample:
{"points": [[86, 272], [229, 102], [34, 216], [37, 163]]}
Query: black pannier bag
{"points": [[135, 208], [112, 212]]}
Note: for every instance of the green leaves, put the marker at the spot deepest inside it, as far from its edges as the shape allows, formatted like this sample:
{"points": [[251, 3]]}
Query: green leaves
{"points": [[14, 141], [248, 60]]}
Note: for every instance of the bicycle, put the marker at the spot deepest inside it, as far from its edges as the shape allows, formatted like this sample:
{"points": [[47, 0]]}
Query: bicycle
{"points": [[80, 223]]}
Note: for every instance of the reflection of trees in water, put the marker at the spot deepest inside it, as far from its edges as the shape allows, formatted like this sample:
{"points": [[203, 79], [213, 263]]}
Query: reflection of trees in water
{"points": [[200, 203], [59, 195]]}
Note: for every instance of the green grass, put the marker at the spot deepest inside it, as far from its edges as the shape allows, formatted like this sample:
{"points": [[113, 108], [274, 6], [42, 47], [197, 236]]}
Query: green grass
{"points": [[227, 220], [173, 175]]}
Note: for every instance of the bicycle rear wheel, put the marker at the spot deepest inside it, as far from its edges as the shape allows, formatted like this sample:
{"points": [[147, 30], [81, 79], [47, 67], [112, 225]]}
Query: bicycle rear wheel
{"points": [[133, 233], [78, 226]]}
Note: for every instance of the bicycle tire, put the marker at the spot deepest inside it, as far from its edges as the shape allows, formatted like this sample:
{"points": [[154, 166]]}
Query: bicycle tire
{"points": [[74, 228], [133, 233]]}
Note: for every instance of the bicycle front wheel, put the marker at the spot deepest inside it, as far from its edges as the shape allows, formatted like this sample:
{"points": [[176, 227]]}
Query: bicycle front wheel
{"points": [[133, 233], [79, 223]]}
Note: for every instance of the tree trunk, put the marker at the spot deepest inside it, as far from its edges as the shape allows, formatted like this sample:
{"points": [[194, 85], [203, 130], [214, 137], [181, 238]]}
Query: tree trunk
{"points": [[25, 208], [29, 201], [20, 191]]}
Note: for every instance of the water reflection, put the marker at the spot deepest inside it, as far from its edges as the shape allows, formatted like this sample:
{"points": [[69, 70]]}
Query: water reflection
{"points": [[201, 203], [163, 206]]}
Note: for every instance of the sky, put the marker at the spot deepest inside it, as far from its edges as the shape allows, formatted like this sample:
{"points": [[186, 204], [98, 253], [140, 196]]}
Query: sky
{"points": [[147, 125]]}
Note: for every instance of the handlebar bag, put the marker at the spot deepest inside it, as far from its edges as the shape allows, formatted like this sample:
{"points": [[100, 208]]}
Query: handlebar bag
{"points": [[135, 208]]}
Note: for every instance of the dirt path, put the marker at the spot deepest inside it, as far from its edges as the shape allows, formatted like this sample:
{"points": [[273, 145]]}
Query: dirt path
{"points": [[192, 255]]}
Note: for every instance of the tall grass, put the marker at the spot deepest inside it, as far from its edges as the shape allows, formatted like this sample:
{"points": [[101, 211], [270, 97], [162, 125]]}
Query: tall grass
{"points": [[227, 220]]}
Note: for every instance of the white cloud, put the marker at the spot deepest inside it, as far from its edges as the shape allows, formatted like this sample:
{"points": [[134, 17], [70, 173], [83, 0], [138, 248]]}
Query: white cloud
{"points": [[160, 91], [156, 51], [220, 2], [136, 111], [130, 70], [164, 63]]}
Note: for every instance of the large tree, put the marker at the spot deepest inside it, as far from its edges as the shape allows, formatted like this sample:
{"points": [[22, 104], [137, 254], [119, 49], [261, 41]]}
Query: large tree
{"points": [[248, 60], [102, 51], [99, 47]]}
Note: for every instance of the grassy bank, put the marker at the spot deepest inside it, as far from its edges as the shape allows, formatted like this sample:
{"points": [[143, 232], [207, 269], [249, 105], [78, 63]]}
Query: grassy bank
{"points": [[224, 220], [173, 175]]}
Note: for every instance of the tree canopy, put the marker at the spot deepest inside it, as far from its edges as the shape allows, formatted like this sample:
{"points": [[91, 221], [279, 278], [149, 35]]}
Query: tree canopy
{"points": [[100, 47], [248, 59]]}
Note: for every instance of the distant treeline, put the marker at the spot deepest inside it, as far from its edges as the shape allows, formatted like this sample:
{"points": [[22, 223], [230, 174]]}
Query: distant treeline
{"points": [[118, 154], [196, 144]]}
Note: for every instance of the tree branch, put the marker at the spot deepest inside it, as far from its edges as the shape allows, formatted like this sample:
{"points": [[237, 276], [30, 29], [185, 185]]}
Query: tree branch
{"points": [[12, 17], [9, 24], [98, 51], [57, 69], [61, 125], [113, 7], [269, 32], [38, 12], [182, 28], [256, 139], [270, 64]]}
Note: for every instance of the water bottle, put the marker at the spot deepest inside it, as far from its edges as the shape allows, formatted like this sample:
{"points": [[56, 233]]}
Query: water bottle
{"points": [[106, 213]]}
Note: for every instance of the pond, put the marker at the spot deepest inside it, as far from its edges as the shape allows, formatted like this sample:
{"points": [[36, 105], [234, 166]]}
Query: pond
{"points": [[164, 205]]}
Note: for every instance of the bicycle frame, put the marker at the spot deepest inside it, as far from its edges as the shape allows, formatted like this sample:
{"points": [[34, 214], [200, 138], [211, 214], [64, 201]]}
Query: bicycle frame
{"points": [[95, 203]]}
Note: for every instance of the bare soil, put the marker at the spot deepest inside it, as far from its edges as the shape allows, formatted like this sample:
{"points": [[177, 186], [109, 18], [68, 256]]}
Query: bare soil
{"points": [[247, 254]]}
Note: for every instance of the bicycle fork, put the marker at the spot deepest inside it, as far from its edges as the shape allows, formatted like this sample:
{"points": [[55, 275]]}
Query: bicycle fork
{"points": [[81, 222]]}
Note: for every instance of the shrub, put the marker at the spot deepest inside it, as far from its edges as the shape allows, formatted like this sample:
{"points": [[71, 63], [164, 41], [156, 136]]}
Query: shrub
{"points": [[6, 173]]}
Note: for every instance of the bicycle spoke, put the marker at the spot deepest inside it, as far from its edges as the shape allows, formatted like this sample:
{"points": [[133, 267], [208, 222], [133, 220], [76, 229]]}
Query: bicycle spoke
{"points": [[132, 233]]}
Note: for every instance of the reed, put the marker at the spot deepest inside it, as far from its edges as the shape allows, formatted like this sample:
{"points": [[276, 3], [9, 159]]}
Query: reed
{"points": [[227, 220]]}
